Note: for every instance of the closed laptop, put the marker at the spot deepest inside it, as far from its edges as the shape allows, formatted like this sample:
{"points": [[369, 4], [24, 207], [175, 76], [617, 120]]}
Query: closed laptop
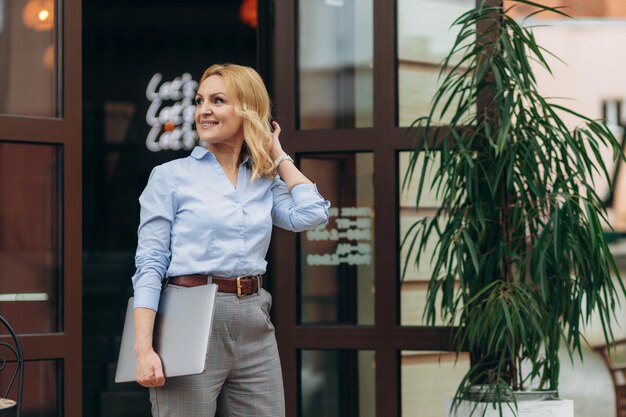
{"points": [[181, 336]]}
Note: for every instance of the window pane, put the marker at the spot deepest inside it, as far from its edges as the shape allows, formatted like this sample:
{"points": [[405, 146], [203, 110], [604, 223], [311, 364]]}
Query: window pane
{"points": [[28, 58], [424, 39], [414, 282], [428, 380], [42, 380], [337, 259], [30, 239], [335, 67], [334, 383]]}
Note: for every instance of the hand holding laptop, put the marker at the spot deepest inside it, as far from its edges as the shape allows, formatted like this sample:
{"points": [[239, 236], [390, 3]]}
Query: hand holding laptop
{"points": [[179, 343], [149, 372]]}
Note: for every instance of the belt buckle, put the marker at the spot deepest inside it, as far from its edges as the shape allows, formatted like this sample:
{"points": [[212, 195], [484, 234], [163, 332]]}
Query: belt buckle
{"points": [[239, 294]]}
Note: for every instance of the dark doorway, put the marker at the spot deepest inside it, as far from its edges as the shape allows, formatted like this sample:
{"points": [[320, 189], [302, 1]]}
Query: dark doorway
{"points": [[125, 43]]}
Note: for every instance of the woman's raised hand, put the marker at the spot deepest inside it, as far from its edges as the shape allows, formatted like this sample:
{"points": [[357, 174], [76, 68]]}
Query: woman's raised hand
{"points": [[277, 149]]}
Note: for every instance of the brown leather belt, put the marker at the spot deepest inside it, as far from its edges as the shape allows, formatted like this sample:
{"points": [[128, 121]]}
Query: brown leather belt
{"points": [[241, 285]]}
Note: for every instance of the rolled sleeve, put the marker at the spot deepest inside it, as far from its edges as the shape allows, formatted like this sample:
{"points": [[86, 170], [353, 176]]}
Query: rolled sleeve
{"points": [[158, 207], [301, 209]]}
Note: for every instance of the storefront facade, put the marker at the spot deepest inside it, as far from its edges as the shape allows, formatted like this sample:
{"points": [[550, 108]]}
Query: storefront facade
{"points": [[347, 78]]}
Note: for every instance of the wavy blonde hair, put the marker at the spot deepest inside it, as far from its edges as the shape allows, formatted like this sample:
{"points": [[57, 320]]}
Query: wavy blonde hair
{"points": [[254, 107]]}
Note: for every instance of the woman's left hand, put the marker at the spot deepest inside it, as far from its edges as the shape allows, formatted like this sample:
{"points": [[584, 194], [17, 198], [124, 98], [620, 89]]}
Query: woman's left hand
{"points": [[289, 173], [277, 149]]}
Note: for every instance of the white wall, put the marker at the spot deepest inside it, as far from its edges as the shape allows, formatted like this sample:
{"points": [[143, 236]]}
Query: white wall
{"points": [[594, 70]]}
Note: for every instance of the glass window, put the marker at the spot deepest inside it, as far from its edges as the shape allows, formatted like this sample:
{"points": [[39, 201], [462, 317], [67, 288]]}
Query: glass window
{"points": [[30, 250], [337, 259], [42, 389], [429, 380], [425, 37], [41, 394], [414, 282], [335, 64], [28, 58], [337, 383]]}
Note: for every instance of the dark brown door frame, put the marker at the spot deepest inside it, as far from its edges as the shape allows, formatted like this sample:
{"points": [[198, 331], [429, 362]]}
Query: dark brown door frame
{"points": [[66, 132]]}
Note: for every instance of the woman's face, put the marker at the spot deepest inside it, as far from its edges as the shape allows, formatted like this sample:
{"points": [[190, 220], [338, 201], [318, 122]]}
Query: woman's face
{"points": [[216, 117]]}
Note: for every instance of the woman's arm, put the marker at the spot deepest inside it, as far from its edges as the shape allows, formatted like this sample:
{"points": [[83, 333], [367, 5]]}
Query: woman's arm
{"points": [[287, 171], [297, 204], [158, 208], [149, 372], [152, 259]]}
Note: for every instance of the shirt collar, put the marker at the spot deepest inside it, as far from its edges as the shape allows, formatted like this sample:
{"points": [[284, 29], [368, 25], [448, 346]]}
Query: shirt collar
{"points": [[199, 152]]}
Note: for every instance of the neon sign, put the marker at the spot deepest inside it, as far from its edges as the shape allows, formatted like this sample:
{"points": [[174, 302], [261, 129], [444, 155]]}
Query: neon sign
{"points": [[172, 126]]}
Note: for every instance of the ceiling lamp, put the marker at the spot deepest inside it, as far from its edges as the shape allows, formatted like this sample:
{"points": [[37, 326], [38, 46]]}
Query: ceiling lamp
{"points": [[39, 15], [248, 13]]}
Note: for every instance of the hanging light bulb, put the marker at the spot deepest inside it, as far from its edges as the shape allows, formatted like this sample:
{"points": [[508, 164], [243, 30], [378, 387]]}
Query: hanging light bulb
{"points": [[248, 13], [39, 15]]}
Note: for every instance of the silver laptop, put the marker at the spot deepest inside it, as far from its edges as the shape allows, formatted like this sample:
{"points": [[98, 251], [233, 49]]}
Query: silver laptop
{"points": [[181, 336]]}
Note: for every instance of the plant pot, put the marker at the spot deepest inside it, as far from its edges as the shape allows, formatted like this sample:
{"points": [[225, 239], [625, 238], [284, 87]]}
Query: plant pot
{"points": [[484, 393], [525, 408]]}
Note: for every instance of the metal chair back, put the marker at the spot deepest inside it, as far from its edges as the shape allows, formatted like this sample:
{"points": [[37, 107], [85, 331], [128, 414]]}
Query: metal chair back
{"points": [[11, 360]]}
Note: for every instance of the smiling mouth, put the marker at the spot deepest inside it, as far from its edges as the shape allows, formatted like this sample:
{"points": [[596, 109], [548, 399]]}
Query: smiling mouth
{"points": [[206, 124]]}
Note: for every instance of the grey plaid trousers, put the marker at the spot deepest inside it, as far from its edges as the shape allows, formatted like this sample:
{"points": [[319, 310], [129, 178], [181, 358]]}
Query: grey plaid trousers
{"points": [[242, 377]]}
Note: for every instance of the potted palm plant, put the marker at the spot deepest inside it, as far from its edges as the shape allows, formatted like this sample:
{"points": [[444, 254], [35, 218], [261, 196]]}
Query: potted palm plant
{"points": [[521, 263]]}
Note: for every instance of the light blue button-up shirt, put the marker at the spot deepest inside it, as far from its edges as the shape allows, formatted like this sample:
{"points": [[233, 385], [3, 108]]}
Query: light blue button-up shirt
{"points": [[193, 221]]}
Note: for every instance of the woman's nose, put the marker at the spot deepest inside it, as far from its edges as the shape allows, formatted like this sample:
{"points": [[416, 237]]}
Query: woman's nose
{"points": [[205, 108]]}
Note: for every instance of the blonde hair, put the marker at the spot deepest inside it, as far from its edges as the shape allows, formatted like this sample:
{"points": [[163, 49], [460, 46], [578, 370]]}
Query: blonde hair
{"points": [[253, 106]]}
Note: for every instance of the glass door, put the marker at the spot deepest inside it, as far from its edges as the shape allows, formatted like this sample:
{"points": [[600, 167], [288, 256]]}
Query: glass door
{"points": [[349, 77]]}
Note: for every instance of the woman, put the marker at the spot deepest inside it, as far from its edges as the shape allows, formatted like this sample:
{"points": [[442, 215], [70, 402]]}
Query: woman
{"points": [[208, 217]]}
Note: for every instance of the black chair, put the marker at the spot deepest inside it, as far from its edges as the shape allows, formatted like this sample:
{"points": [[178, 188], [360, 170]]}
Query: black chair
{"points": [[11, 358]]}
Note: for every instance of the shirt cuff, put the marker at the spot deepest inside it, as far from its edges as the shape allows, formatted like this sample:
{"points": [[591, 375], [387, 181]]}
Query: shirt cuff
{"points": [[305, 193], [147, 298]]}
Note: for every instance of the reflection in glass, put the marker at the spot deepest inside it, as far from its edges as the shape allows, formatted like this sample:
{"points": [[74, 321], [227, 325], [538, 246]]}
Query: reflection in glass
{"points": [[41, 387], [30, 238], [28, 58], [337, 259], [429, 379], [414, 283], [336, 383], [424, 39], [335, 70]]}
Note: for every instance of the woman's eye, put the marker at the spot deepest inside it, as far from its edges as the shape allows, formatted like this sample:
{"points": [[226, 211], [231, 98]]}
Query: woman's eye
{"points": [[198, 101], [218, 100]]}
